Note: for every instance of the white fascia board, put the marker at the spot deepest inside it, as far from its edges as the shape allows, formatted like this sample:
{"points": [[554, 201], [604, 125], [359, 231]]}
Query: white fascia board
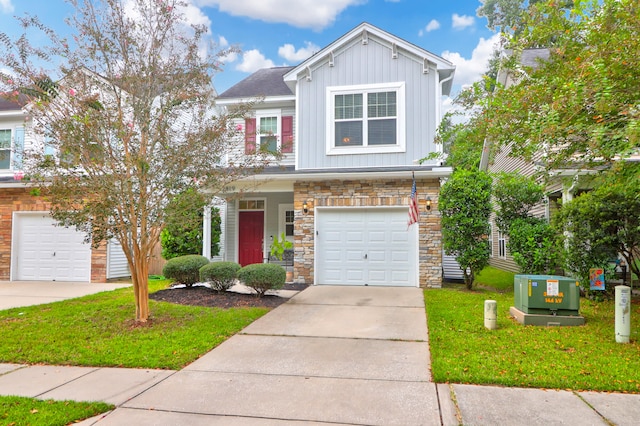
{"points": [[266, 100], [435, 172]]}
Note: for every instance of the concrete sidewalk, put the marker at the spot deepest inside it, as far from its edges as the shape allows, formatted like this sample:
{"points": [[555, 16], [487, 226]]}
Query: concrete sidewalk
{"points": [[338, 355], [15, 294]]}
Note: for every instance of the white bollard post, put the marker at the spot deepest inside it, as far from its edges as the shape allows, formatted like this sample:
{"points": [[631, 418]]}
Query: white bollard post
{"points": [[491, 314], [623, 313]]}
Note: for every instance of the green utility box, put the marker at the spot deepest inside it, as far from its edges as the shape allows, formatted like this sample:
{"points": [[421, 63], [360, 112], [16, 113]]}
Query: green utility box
{"points": [[547, 295]]}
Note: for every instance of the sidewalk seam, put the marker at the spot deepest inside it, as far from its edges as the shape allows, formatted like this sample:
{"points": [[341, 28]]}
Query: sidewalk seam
{"points": [[607, 421]]}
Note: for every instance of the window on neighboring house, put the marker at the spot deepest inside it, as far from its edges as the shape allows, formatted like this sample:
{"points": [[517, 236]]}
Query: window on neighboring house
{"points": [[269, 132], [366, 119], [11, 146], [502, 246], [5, 149]]}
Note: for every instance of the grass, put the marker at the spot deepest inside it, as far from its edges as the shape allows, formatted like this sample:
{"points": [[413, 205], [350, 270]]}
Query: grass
{"points": [[19, 411], [578, 358], [495, 278], [99, 330]]}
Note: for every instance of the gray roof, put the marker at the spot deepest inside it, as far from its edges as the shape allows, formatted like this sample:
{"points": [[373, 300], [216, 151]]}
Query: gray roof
{"points": [[7, 105], [264, 82]]}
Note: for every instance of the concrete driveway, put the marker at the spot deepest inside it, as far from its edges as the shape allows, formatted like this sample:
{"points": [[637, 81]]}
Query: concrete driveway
{"points": [[339, 355], [14, 294]]}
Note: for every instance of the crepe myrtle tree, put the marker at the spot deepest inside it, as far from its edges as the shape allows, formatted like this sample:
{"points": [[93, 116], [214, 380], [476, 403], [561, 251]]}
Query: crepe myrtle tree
{"points": [[127, 107], [465, 204]]}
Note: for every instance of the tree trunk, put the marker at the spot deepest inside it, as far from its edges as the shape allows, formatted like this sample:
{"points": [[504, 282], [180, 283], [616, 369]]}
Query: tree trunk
{"points": [[140, 278]]}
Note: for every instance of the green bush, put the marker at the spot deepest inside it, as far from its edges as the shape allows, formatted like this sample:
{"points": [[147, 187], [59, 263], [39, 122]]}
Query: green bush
{"points": [[221, 276], [532, 243], [262, 277], [185, 269]]}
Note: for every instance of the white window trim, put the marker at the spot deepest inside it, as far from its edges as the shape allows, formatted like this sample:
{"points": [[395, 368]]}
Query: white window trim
{"points": [[282, 209], [332, 91], [269, 113]]}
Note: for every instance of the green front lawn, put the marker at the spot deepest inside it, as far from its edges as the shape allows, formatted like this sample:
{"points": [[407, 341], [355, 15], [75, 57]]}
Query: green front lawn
{"points": [[17, 411], [495, 278], [99, 330], [579, 358]]}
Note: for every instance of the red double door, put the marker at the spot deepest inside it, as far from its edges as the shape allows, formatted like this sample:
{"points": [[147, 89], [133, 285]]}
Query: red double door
{"points": [[251, 237]]}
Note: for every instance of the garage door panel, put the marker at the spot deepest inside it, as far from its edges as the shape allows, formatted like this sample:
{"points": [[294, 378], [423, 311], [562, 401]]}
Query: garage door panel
{"points": [[365, 246], [46, 252]]}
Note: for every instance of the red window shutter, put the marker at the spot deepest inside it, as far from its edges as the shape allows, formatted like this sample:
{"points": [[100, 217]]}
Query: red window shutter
{"points": [[287, 134], [250, 136]]}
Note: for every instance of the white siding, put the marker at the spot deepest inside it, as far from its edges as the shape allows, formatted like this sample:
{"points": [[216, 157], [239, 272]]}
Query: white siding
{"points": [[117, 266]]}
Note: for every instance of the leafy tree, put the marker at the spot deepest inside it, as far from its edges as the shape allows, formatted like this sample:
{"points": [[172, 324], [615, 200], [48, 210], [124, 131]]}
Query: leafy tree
{"points": [[131, 118], [465, 204], [532, 241], [578, 108], [515, 195], [601, 224], [182, 233]]}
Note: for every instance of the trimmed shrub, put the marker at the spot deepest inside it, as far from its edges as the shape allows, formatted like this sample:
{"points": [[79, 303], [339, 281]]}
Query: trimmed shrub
{"points": [[221, 276], [185, 269], [262, 277]]}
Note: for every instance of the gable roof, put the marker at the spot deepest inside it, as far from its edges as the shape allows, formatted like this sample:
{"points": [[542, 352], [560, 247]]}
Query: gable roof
{"points": [[264, 82], [445, 68]]}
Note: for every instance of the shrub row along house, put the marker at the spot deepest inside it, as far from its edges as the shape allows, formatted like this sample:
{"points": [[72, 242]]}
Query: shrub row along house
{"points": [[352, 123]]}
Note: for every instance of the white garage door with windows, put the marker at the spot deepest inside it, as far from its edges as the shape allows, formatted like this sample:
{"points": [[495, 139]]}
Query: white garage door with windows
{"points": [[45, 252], [365, 246]]}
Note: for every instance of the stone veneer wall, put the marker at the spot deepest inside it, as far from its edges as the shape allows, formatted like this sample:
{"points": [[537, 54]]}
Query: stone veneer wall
{"points": [[19, 199], [372, 193]]}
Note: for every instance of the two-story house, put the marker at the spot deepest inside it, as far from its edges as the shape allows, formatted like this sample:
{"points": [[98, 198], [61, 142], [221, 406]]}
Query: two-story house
{"points": [[32, 247], [352, 123]]}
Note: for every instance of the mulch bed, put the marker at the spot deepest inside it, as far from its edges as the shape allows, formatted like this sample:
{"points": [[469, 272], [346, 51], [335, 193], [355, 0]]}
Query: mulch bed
{"points": [[204, 296]]}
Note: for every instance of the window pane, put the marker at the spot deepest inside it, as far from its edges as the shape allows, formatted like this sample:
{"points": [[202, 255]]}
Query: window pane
{"points": [[382, 132], [349, 133], [5, 158], [288, 230], [268, 125], [382, 104], [289, 216], [269, 143], [5, 138], [348, 106]]}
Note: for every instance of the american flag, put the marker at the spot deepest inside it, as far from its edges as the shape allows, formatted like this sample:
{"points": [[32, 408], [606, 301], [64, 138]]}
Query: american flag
{"points": [[414, 214]]}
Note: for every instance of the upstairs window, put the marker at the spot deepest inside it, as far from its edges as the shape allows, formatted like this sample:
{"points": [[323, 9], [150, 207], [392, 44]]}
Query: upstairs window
{"points": [[5, 149], [269, 132], [11, 146], [366, 119]]}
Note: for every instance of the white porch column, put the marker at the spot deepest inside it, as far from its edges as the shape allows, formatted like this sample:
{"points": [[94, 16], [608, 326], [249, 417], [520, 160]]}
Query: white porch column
{"points": [[206, 232]]}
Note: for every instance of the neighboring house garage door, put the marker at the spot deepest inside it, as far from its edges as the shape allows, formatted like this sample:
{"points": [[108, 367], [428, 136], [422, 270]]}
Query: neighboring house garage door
{"points": [[366, 246], [45, 252]]}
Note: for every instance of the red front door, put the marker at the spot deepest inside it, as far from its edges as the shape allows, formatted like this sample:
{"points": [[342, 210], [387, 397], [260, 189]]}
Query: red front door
{"points": [[251, 236]]}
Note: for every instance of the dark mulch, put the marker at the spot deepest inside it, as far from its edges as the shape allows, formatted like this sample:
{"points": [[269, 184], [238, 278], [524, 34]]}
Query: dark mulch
{"points": [[204, 296]]}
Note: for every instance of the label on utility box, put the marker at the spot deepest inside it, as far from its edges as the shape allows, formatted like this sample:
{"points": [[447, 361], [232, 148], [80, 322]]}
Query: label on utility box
{"points": [[553, 288]]}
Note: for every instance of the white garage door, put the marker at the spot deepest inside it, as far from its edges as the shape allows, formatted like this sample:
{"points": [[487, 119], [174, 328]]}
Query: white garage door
{"points": [[45, 252], [366, 247]]}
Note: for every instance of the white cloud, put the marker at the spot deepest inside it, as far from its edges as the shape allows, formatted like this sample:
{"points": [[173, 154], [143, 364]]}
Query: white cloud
{"points": [[253, 60], [299, 13], [461, 22], [194, 16], [289, 52], [432, 26], [223, 42], [6, 6], [470, 70]]}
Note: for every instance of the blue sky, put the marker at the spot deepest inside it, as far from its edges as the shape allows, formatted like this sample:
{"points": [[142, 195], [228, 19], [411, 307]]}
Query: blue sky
{"points": [[285, 32]]}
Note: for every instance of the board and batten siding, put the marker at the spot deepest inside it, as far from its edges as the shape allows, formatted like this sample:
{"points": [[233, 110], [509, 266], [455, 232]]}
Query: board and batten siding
{"points": [[354, 65], [117, 266]]}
